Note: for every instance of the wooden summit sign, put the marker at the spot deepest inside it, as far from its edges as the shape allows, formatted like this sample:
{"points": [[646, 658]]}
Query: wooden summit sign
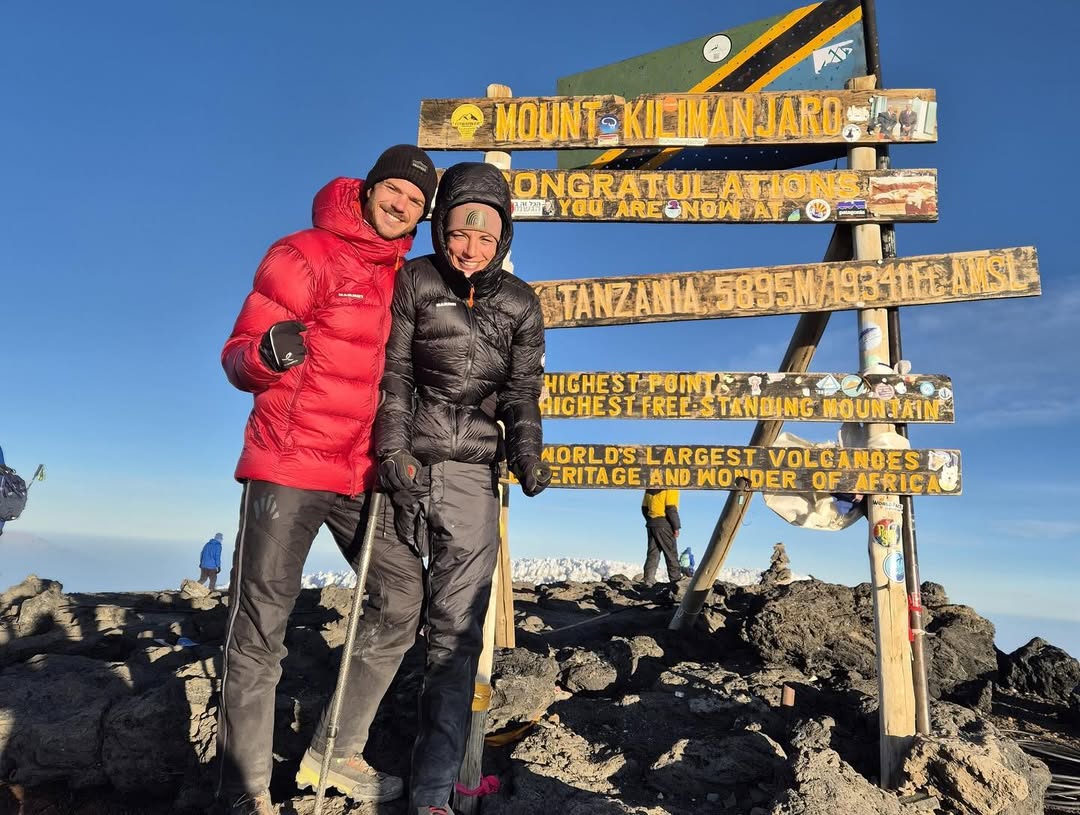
{"points": [[754, 292], [678, 120], [820, 397], [713, 196], [769, 469]]}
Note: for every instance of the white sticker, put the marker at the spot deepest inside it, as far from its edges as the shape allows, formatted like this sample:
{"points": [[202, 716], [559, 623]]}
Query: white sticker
{"points": [[527, 207], [818, 209], [679, 141], [717, 48], [832, 54], [851, 132], [855, 113], [893, 566], [870, 338]]}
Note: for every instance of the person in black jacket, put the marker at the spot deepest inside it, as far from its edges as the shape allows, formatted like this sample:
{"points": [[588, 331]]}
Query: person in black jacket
{"points": [[465, 354]]}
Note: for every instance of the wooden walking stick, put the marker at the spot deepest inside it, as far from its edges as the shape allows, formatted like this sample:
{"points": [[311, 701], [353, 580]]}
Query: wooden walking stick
{"points": [[356, 611]]}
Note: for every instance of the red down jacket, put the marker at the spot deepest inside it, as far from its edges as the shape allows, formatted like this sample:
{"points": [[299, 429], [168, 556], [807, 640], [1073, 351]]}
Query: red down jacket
{"points": [[311, 426]]}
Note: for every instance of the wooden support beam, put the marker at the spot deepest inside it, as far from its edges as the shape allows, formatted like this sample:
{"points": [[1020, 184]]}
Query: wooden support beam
{"points": [[896, 696]]}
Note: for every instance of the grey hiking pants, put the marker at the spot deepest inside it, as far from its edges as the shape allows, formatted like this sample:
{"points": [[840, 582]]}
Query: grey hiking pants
{"points": [[661, 541], [455, 526], [277, 527]]}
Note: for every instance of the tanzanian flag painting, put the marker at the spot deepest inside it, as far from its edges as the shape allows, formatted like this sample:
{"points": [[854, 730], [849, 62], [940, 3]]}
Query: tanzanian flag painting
{"points": [[816, 47]]}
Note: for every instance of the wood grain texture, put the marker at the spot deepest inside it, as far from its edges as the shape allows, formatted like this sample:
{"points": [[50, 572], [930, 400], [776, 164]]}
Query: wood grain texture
{"points": [[754, 292], [679, 120], [815, 397], [768, 469]]}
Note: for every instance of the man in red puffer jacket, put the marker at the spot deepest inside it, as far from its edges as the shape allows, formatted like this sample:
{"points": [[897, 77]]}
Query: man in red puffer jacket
{"points": [[309, 344]]}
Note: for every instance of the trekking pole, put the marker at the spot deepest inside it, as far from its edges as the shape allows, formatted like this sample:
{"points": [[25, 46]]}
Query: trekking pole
{"points": [[355, 613]]}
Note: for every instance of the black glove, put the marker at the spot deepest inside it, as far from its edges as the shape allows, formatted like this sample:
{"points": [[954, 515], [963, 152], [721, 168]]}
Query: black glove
{"points": [[534, 476], [397, 472], [282, 346]]}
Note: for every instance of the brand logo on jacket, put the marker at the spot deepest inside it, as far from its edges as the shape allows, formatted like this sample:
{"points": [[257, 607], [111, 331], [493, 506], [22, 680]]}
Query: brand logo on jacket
{"points": [[267, 505]]}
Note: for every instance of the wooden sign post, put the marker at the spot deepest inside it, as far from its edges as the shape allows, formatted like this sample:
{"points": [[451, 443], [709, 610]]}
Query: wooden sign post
{"points": [[499, 620], [504, 617], [896, 695], [630, 144]]}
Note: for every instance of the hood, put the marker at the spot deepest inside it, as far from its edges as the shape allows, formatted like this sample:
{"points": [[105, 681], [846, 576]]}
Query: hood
{"points": [[337, 209], [464, 183]]}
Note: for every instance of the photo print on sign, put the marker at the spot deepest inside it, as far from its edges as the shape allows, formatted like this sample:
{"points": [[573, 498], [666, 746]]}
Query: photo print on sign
{"points": [[895, 119]]}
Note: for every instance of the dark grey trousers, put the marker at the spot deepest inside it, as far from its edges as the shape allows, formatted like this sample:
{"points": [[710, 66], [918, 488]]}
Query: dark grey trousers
{"points": [[661, 541], [277, 527], [455, 527]]}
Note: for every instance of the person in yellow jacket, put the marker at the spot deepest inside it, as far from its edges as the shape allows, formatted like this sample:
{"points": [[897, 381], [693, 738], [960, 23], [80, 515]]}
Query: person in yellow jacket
{"points": [[661, 511]]}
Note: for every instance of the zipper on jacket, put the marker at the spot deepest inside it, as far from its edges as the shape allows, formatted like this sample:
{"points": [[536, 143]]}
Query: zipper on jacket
{"points": [[468, 372], [472, 348], [453, 429], [356, 484]]}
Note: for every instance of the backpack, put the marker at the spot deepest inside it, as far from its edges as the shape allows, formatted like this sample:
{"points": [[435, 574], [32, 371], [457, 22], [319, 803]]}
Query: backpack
{"points": [[12, 494]]}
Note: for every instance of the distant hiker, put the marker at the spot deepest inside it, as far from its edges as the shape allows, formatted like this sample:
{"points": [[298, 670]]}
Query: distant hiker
{"points": [[466, 350], [661, 511], [686, 562], [13, 492], [309, 343], [210, 561]]}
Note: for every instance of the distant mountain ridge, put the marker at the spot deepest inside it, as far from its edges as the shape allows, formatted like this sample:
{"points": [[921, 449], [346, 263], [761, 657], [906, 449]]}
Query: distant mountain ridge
{"points": [[550, 570]]}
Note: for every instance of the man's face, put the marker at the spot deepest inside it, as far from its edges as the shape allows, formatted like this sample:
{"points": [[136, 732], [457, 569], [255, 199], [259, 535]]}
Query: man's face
{"points": [[394, 207], [470, 251]]}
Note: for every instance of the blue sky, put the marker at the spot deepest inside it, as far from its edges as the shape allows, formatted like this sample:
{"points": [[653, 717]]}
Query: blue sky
{"points": [[152, 152]]}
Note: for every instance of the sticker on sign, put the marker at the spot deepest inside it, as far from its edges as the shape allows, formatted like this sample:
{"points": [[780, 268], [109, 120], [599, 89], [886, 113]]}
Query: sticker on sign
{"points": [[832, 54], [528, 207]]}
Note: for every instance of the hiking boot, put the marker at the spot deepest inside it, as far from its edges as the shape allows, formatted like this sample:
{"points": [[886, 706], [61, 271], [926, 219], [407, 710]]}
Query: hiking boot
{"points": [[253, 805], [352, 776]]}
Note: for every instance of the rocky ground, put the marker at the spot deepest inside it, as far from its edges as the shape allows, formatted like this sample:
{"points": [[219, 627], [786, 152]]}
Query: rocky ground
{"points": [[108, 701]]}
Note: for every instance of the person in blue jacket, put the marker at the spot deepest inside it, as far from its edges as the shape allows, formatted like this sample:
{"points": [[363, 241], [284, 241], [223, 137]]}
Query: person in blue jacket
{"points": [[686, 562], [210, 561]]}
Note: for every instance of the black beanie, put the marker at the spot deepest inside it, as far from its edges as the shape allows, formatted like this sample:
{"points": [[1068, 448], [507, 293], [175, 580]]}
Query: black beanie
{"points": [[408, 162]]}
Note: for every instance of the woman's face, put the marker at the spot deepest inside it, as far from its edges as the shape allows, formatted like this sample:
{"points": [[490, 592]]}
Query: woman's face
{"points": [[470, 251]]}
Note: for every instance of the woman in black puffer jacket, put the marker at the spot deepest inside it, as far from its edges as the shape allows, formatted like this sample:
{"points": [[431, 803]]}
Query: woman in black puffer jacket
{"points": [[466, 352], [460, 336]]}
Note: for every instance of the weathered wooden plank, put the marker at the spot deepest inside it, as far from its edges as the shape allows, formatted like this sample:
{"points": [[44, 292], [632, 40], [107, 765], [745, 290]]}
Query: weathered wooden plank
{"points": [[678, 120], [754, 292], [709, 196], [767, 469], [817, 397]]}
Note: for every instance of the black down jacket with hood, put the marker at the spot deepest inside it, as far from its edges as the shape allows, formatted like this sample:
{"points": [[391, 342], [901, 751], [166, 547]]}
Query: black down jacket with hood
{"points": [[458, 344]]}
